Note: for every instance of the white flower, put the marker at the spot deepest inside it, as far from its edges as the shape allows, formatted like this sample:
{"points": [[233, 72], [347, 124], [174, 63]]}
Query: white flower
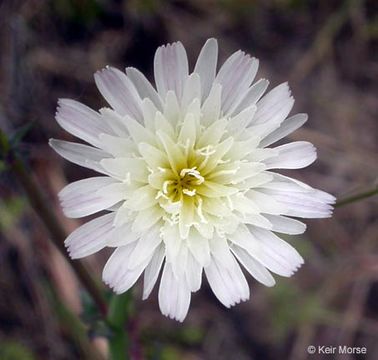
{"points": [[187, 177]]}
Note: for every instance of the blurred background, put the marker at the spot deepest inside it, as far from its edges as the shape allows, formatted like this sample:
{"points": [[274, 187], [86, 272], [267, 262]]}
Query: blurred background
{"points": [[327, 50]]}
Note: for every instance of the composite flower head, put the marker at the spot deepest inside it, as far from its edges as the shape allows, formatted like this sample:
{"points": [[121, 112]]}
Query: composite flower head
{"points": [[187, 177]]}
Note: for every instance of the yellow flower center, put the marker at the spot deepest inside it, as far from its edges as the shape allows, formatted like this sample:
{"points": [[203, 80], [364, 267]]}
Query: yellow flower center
{"points": [[185, 183]]}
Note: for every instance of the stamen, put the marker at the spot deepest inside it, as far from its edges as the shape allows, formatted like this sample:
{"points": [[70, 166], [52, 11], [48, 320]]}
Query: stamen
{"points": [[189, 192], [206, 151], [165, 186], [192, 172], [172, 207], [199, 211], [161, 194]]}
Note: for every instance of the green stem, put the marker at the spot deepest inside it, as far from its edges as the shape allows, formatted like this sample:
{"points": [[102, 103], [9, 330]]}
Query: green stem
{"points": [[356, 197], [73, 326], [43, 209], [119, 311]]}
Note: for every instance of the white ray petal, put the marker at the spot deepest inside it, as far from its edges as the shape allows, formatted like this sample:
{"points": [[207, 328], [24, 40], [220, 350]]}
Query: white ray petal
{"points": [[164, 125], [258, 271], [117, 146], [227, 283], [154, 157], [81, 121], [171, 69], [213, 134], [295, 155], [193, 272], [275, 97], [286, 225], [116, 272], [119, 92], [172, 241], [235, 76], [280, 247], [79, 154], [287, 184], [211, 109], [304, 205], [81, 198], [206, 66], [115, 121], [144, 87], [267, 249], [147, 218], [125, 168], [238, 123], [152, 271], [187, 135], [90, 237], [287, 127], [145, 247], [199, 247], [174, 295], [265, 203], [172, 110], [257, 220], [192, 90], [253, 95], [138, 132], [142, 198], [180, 262], [220, 251], [149, 114], [122, 235]]}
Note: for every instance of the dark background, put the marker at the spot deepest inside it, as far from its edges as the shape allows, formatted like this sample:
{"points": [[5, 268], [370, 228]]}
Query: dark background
{"points": [[327, 50]]}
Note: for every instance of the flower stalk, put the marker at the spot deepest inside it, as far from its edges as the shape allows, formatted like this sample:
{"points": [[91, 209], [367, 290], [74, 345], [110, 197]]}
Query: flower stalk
{"points": [[119, 311], [357, 197], [58, 234]]}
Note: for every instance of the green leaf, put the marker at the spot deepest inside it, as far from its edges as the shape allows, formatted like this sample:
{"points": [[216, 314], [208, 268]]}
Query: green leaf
{"points": [[13, 350], [20, 133]]}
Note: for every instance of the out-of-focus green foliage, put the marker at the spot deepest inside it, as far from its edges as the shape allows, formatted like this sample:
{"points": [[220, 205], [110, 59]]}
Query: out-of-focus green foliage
{"points": [[4, 145], [10, 211], [92, 317], [163, 352], [372, 28], [191, 335], [20, 133], [13, 350], [3, 166], [170, 353], [146, 6], [292, 307], [291, 4], [73, 326], [12, 144], [119, 311], [167, 345], [84, 11], [240, 7]]}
